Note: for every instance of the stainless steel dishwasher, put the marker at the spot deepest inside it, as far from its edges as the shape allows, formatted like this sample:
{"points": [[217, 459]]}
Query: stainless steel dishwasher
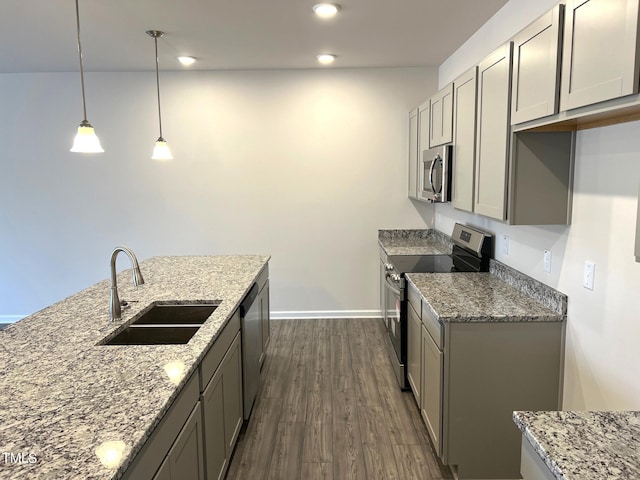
{"points": [[251, 348]]}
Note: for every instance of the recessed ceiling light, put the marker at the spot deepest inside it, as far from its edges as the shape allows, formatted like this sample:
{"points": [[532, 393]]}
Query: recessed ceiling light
{"points": [[186, 61], [326, 58], [326, 10]]}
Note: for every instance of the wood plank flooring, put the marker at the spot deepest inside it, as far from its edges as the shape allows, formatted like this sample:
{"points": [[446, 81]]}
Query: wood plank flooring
{"points": [[330, 408]]}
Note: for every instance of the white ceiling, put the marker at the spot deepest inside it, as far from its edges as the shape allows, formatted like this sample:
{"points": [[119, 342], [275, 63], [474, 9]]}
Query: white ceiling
{"points": [[40, 35]]}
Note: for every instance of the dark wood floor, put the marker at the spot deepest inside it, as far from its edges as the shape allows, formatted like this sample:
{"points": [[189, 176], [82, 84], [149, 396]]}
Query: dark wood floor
{"points": [[330, 408]]}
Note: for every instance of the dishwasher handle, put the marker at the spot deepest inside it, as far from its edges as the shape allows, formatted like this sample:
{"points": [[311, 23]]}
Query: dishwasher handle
{"points": [[248, 300]]}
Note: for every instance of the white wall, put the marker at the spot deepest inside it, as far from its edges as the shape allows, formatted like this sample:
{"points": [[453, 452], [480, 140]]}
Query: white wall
{"points": [[602, 356], [304, 165]]}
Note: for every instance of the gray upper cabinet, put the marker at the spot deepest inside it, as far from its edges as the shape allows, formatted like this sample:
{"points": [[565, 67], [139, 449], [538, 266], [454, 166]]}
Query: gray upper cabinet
{"points": [[600, 58], [536, 68], [465, 90], [413, 154], [424, 130], [493, 131], [441, 124]]}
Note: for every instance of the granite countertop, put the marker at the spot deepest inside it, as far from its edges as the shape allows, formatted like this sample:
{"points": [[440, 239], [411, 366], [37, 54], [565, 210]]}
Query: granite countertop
{"points": [[62, 395], [585, 445], [414, 242], [478, 297]]}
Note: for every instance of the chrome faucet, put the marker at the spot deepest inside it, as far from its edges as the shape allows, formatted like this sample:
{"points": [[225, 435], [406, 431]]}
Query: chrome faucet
{"points": [[115, 310]]}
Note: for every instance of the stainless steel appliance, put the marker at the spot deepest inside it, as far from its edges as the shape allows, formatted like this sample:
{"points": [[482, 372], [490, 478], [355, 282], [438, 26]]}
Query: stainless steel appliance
{"points": [[251, 348], [436, 175], [471, 253]]}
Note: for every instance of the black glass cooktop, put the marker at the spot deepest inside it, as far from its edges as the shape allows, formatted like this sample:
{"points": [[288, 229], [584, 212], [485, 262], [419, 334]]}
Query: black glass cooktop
{"points": [[422, 263]]}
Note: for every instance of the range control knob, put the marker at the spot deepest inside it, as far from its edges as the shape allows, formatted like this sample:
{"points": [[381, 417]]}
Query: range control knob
{"points": [[388, 267]]}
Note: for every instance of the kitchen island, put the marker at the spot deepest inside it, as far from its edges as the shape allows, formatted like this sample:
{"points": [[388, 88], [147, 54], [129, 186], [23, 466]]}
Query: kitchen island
{"points": [[62, 394]]}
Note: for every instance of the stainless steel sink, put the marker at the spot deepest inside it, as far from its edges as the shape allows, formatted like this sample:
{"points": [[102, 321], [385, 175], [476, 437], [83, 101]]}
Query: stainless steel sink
{"points": [[164, 314], [164, 324], [154, 335]]}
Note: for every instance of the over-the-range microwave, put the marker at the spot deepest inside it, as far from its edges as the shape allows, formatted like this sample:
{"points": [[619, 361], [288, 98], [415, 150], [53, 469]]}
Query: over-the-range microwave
{"points": [[436, 175]]}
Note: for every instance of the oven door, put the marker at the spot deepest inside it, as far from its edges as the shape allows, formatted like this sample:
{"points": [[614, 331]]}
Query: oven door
{"points": [[396, 324]]}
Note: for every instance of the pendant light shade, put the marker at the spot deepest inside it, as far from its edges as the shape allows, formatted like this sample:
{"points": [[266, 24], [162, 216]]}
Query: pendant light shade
{"points": [[86, 140], [161, 151]]}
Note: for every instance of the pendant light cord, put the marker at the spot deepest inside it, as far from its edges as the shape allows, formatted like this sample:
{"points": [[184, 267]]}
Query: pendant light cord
{"points": [[155, 38], [84, 101]]}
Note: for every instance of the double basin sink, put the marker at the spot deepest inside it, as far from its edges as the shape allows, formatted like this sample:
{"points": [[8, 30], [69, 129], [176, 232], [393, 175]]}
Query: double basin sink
{"points": [[164, 324]]}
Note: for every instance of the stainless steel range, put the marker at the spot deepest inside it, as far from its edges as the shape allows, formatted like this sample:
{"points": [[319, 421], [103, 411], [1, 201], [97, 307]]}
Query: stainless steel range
{"points": [[471, 253]]}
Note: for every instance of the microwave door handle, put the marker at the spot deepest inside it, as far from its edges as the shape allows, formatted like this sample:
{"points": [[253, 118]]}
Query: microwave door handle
{"points": [[431, 169], [392, 287]]}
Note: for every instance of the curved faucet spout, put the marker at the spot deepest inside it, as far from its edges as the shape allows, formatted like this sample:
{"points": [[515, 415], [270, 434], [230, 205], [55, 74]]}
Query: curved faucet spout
{"points": [[114, 303]]}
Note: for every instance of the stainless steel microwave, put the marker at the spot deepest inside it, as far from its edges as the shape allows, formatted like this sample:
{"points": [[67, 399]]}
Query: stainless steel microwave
{"points": [[436, 174]]}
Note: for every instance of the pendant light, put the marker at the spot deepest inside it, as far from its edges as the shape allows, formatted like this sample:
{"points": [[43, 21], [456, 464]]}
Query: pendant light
{"points": [[86, 140], [161, 151]]}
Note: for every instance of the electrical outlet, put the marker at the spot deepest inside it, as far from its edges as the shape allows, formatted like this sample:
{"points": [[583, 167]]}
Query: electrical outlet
{"points": [[547, 261], [505, 244], [589, 272]]}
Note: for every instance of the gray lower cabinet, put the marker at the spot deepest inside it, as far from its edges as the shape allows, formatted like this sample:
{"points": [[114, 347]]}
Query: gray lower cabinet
{"points": [[414, 353], [600, 54], [265, 319], [431, 405], [200, 429], [222, 411], [185, 458], [491, 369], [493, 133], [172, 441]]}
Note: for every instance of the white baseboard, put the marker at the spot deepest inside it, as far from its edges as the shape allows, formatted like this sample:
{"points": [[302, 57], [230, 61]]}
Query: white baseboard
{"points": [[11, 318], [306, 314]]}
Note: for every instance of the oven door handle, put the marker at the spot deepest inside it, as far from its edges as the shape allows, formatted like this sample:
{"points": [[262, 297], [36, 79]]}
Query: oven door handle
{"points": [[391, 286]]}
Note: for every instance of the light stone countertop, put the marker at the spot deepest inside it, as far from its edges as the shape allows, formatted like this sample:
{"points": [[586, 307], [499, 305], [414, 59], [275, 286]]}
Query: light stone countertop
{"points": [[585, 445], [414, 242], [62, 395], [478, 297]]}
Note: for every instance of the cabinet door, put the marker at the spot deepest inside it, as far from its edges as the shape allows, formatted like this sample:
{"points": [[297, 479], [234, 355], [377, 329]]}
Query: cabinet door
{"points": [[600, 58], [265, 323], [164, 473], [413, 154], [214, 427], [424, 130], [414, 352], [432, 382], [185, 457], [232, 393], [441, 117], [493, 125], [536, 68], [464, 139]]}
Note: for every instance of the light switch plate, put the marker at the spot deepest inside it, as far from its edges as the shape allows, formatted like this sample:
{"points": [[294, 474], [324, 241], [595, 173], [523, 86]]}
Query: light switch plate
{"points": [[547, 261], [505, 244], [589, 273]]}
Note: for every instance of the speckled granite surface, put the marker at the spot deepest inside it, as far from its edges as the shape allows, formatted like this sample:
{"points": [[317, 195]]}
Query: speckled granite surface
{"points": [[478, 297], [61, 395], [549, 297], [585, 445], [414, 242]]}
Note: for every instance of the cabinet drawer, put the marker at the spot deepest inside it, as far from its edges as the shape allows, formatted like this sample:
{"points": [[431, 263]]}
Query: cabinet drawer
{"points": [[215, 354], [433, 326], [413, 296]]}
